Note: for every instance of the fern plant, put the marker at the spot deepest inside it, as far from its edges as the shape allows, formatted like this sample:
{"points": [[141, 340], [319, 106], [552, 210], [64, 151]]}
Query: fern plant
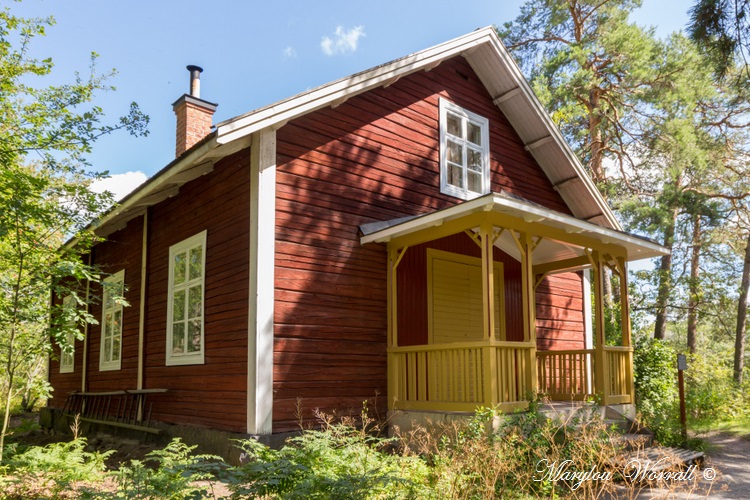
{"points": [[177, 474], [54, 468]]}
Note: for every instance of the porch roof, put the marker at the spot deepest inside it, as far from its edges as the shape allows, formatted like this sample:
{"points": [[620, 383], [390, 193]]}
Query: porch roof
{"points": [[527, 213]]}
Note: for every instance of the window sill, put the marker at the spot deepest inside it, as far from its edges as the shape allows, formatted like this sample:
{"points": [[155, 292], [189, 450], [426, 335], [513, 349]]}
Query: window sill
{"points": [[192, 359]]}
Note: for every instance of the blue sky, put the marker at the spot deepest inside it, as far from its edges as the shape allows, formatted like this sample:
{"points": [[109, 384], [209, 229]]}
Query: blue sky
{"points": [[253, 53]]}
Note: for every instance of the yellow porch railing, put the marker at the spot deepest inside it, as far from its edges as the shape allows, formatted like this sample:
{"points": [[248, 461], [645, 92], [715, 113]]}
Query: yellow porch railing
{"points": [[618, 375], [569, 374], [566, 375], [460, 376], [463, 376]]}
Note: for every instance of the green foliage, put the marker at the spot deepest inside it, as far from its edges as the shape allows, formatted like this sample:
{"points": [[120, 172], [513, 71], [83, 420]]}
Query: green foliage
{"points": [[174, 476], [53, 469], [45, 134], [488, 456], [711, 393], [592, 68], [655, 370], [655, 367], [338, 461], [721, 29], [471, 460]]}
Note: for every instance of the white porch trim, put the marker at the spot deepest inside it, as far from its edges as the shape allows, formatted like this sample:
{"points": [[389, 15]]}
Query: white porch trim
{"points": [[636, 247]]}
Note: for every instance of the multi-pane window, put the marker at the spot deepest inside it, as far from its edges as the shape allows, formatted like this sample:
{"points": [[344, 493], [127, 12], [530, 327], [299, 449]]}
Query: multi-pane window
{"points": [[67, 359], [187, 261], [464, 152], [110, 351]]}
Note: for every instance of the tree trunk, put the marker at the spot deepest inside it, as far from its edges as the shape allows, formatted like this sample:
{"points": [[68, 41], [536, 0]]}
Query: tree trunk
{"points": [[739, 341], [693, 299], [665, 280], [595, 138]]}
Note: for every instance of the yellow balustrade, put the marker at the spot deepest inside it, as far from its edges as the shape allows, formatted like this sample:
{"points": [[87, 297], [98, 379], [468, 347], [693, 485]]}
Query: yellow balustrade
{"points": [[618, 383], [461, 376], [567, 374]]}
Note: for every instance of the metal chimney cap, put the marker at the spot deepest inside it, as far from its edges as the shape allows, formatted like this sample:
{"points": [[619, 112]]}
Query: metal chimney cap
{"points": [[195, 80]]}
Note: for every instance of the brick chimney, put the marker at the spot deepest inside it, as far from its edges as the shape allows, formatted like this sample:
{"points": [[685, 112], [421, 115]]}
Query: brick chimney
{"points": [[194, 115]]}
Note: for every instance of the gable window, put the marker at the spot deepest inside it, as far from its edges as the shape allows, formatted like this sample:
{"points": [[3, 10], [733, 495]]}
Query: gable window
{"points": [[464, 152], [67, 359], [110, 350], [187, 261]]}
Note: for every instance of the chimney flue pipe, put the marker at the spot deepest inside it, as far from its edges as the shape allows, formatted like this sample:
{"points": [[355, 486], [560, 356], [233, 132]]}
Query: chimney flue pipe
{"points": [[195, 80]]}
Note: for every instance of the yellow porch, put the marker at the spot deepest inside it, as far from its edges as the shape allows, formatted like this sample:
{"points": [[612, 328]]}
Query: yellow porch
{"points": [[481, 346]]}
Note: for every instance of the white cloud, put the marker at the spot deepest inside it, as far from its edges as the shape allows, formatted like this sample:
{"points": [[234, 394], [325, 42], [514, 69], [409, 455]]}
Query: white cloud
{"points": [[289, 52], [119, 185], [342, 41]]}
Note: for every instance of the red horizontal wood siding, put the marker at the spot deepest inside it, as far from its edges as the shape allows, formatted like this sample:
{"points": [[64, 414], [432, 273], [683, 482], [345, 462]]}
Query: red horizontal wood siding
{"points": [[213, 394], [121, 251], [372, 158], [559, 312]]}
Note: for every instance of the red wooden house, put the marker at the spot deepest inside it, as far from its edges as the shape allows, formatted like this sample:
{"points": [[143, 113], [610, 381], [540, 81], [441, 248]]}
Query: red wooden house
{"points": [[419, 230]]}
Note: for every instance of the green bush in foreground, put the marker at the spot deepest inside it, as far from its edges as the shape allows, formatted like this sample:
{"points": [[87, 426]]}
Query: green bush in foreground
{"points": [[488, 456], [48, 471], [339, 461], [467, 461], [178, 474]]}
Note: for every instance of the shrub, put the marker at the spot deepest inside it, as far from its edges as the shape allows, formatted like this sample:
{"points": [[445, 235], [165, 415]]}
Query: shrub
{"points": [[656, 387], [467, 461], [340, 460], [176, 474], [50, 470], [711, 393]]}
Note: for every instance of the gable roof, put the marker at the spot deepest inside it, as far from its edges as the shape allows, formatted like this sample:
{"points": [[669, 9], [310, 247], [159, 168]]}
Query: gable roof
{"points": [[492, 63], [504, 81]]}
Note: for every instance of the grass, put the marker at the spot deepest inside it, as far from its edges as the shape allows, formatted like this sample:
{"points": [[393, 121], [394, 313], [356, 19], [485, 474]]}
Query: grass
{"points": [[739, 426]]}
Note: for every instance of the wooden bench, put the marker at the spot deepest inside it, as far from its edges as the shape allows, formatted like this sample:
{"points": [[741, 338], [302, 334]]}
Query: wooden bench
{"points": [[125, 408]]}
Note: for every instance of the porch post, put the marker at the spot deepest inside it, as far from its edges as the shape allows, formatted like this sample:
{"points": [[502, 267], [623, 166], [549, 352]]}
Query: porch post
{"points": [[392, 291], [627, 340], [600, 362], [488, 280], [394, 369], [624, 302], [528, 304], [488, 310]]}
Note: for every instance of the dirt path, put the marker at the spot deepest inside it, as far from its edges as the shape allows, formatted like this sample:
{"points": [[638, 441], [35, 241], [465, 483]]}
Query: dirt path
{"points": [[725, 473], [730, 455]]}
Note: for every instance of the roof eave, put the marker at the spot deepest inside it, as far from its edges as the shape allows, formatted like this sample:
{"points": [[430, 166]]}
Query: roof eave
{"points": [[498, 202], [514, 71], [164, 184]]}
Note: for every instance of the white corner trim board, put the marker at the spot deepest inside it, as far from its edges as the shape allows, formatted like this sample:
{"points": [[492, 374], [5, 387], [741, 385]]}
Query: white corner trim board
{"points": [[261, 297]]}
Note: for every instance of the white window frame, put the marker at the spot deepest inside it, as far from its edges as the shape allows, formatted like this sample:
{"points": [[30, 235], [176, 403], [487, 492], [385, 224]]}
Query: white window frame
{"points": [[116, 284], [466, 117], [185, 246], [67, 360]]}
